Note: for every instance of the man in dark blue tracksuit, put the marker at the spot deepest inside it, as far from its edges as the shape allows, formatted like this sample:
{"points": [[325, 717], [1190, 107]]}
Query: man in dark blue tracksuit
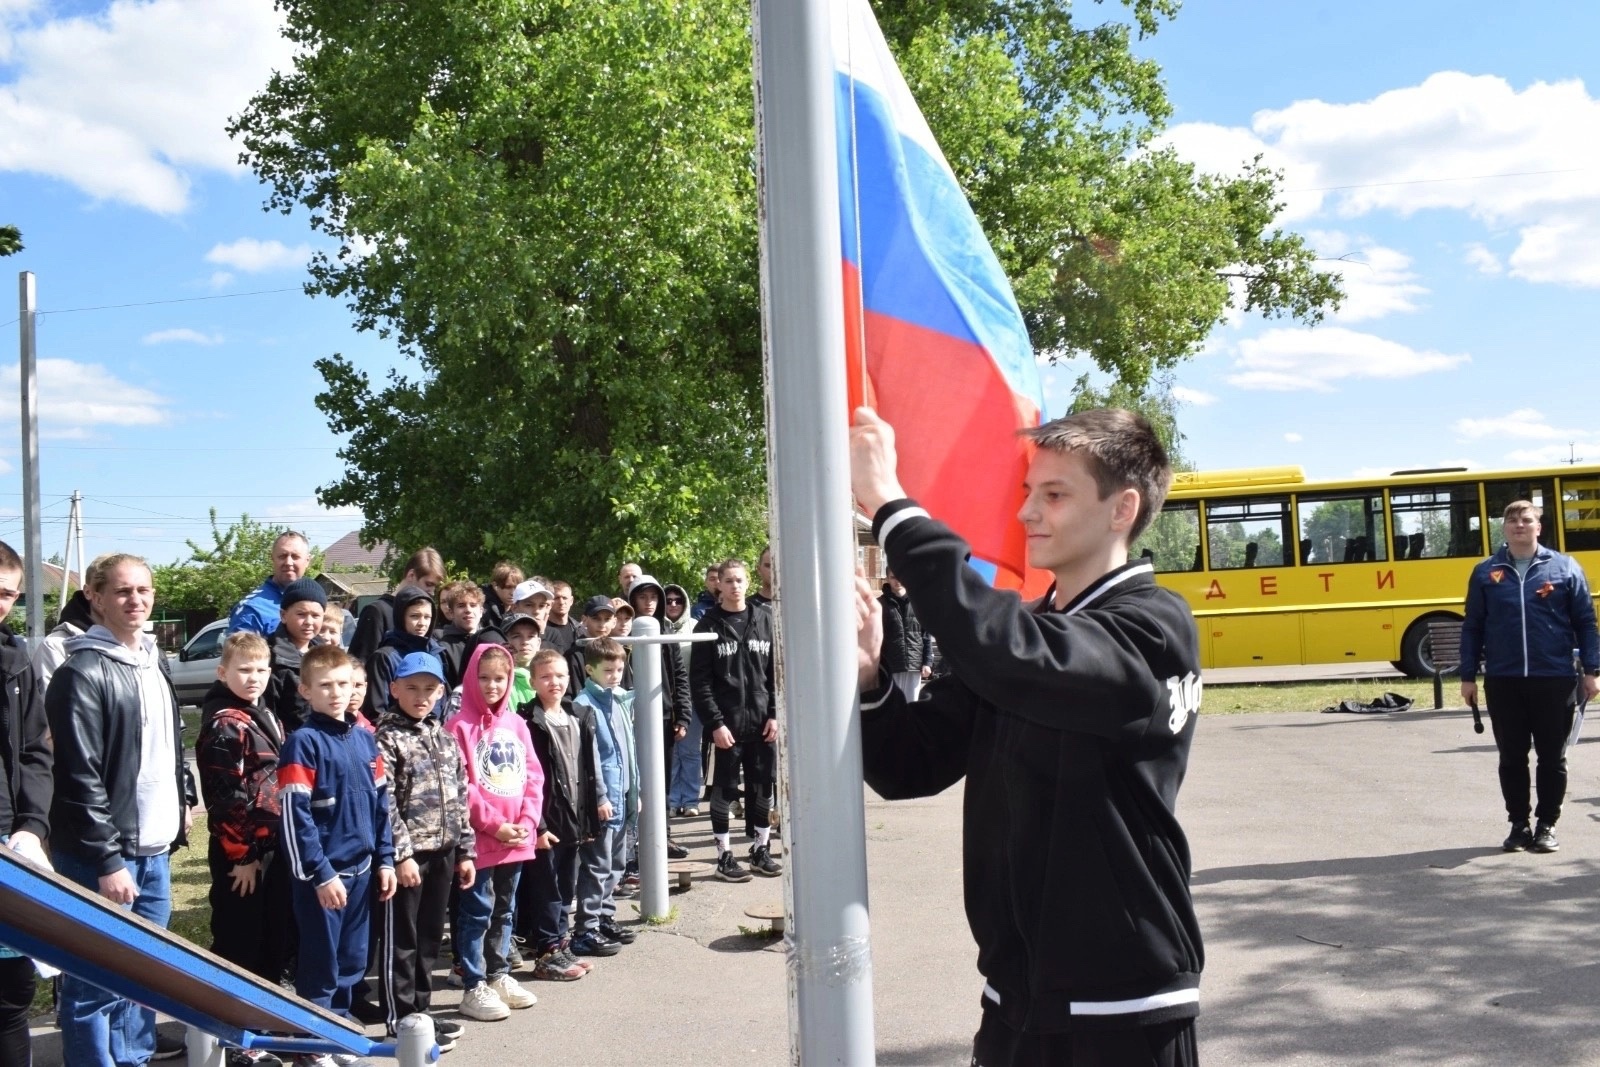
{"points": [[1528, 610]]}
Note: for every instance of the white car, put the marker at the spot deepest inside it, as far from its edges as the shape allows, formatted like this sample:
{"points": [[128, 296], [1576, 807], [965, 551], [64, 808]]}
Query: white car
{"points": [[194, 667]]}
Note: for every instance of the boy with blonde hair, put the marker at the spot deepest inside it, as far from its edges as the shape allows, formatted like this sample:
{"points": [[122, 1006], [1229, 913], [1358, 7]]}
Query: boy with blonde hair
{"points": [[334, 792]]}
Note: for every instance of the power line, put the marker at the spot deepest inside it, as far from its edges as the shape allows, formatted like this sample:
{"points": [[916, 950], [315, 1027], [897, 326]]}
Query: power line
{"points": [[176, 300]]}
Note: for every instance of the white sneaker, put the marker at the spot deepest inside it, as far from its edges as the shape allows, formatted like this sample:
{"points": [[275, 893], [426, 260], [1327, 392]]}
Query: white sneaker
{"points": [[509, 990], [345, 1059], [482, 1003]]}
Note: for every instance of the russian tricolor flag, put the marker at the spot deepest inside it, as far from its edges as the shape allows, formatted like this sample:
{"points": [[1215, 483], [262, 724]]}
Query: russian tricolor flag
{"points": [[947, 357]]}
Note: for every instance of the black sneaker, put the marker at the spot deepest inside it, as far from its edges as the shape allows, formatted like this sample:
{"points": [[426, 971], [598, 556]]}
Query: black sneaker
{"points": [[1521, 837], [676, 851], [761, 861], [728, 869], [443, 1037], [587, 944], [620, 934], [443, 1028], [367, 1013], [1544, 838], [255, 1057]]}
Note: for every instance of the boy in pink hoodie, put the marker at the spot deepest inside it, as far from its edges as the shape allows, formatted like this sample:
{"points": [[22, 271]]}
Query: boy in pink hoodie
{"points": [[505, 788]]}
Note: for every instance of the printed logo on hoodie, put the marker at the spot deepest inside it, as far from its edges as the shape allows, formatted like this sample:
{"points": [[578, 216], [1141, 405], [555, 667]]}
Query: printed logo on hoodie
{"points": [[502, 765], [1184, 699]]}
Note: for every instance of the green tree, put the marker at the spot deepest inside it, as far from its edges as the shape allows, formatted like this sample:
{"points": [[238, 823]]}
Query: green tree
{"points": [[551, 206], [215, 578], [10, 241]]}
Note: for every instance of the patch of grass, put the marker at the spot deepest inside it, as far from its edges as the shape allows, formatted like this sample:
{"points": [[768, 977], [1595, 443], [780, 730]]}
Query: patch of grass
{"points": [[664, 920], [1314, 696], [191, 727], [759, 933]]}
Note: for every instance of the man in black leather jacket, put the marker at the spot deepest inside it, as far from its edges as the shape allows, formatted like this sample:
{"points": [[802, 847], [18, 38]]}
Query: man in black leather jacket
{"points": [[120, 801]]}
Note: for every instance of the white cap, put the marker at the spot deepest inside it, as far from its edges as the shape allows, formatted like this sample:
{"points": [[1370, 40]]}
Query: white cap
{"points": [[530, 588]]}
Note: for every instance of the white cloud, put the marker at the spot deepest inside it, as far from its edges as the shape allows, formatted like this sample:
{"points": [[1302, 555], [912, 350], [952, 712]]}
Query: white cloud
{"points": [[1285, 360], [127, 104], [322, 526], [254, 257], [1525, 424], [1484, 260], [74, 397], [1377, 281], [1512, 159], [1293, 438], [220, 279], [1199, 398], [181, 334]]}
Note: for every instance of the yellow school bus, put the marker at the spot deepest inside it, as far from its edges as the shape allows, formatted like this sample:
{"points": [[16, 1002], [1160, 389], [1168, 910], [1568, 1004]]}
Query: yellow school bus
{"points": [[1281, 570]]}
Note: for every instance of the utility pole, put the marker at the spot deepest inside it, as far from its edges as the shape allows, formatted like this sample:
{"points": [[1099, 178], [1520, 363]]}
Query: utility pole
{"points": [[74, 548], [29, 367]]}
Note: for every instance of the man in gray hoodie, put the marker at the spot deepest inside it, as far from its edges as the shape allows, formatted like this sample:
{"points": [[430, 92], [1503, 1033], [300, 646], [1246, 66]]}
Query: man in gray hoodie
{"points": [[119, 803]]}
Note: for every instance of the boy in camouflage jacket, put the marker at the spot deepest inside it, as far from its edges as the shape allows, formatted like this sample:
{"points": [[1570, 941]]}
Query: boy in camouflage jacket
{"points": [[433, 839]]}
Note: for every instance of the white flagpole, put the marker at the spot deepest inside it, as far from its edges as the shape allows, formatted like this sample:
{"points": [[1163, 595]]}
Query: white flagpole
{"points": [[830, 963]]}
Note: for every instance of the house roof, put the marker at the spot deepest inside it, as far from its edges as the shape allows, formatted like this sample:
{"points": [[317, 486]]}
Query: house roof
{"points": [[349, 585], [347, 552]]}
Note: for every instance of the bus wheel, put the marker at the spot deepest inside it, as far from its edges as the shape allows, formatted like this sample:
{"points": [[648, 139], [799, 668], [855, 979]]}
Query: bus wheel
{"points": [[1416, 653]]}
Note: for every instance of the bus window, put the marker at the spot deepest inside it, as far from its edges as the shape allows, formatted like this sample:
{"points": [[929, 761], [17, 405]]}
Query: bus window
{"points": [[1580, 513], [1496, 495], [1172, 542], [1248, 533], [1437, 521], [1346, 528]]}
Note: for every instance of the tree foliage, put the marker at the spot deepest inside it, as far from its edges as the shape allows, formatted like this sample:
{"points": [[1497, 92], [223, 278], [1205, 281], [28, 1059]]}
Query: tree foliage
{"points": [[10, 241], [551, 206], [215, 578]]}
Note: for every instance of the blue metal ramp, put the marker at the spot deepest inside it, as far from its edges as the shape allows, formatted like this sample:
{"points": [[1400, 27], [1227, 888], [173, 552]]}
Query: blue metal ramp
{"points": [[58, 922]]}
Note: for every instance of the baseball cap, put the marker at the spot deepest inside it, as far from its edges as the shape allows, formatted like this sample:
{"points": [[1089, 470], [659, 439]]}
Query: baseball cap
{"points": [[598, 603], [515, 618], [530, 588], [419, 663]]}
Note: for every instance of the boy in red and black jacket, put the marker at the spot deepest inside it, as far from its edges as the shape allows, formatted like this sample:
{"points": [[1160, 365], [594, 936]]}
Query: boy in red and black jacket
{"points": [[237, 755], [1071, 720]]}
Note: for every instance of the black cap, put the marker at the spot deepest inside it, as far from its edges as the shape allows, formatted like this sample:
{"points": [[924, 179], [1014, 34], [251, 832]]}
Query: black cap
{"points": [[302, 589], [598, 603]]}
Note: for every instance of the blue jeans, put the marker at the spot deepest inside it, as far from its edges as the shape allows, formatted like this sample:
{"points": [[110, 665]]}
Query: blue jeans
{"points": [[688, 773], [100, 1029], [484, 924]]}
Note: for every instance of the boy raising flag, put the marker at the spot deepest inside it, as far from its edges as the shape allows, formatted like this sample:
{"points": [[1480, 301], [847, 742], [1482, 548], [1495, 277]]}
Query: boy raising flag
{"points": [[1071, 719]]}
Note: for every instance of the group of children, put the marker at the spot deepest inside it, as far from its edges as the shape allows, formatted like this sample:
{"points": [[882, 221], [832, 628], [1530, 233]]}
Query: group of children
{"points": [[472, 783]]}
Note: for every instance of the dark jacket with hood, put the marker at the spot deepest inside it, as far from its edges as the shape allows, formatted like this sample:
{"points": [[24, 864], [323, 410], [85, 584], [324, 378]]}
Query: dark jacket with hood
{"points": [[675, 702], [1072, 727], [456, 647], [376, 619], [732, 678], [571, 816], [905, 646], [282, 696], [25, 757], [396, 643], [96, 728], [237, 755], [493, 609]]}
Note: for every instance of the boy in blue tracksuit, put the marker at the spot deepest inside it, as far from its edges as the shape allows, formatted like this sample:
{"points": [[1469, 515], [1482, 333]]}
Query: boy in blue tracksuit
{"points": [[335, 799], [1528, 610], [602, 858]]}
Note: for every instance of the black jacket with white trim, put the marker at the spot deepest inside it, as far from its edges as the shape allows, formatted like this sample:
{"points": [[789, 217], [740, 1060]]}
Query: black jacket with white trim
{"points": [[1072, 727]]}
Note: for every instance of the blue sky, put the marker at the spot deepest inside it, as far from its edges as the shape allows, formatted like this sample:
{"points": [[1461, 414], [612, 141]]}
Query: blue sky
{"points": [[1468, 337]]}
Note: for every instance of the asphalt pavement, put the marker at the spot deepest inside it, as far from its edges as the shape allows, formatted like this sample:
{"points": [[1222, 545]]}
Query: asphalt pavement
{"points": [[1354, 901]]}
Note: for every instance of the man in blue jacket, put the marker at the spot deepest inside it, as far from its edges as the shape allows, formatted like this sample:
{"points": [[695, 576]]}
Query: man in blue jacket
{"points": [[1528, 611]]}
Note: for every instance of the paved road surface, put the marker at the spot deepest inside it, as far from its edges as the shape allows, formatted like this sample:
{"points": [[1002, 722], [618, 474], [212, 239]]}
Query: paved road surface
{"points": [[1355, 907]]}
